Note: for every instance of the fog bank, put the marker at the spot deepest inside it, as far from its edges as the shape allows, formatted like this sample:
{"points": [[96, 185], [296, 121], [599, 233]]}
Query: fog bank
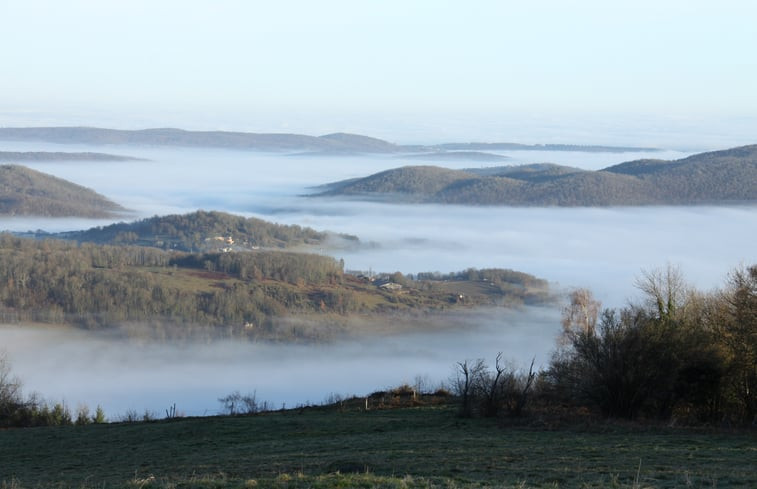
{"points": [[80, 367], [603, 249]]}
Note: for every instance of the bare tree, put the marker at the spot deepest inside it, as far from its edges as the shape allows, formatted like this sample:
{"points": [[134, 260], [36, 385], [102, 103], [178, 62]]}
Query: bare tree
{"points": [[516, 408], [464, 383], [580, 316], [490, 392], [667, 293], [10, 388], [490, 388], [236, 403]]}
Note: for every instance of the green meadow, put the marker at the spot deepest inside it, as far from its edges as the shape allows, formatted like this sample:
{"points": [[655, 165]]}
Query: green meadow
{"points": [[332, 447]]}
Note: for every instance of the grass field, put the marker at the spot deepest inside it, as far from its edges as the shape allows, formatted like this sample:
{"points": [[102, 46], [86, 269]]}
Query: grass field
{"points": [[400, 448]]}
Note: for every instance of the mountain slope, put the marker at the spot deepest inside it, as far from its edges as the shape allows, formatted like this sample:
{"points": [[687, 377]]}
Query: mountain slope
{"points": [[27, 192], [408, 183], [728, 175], [717, 177]]}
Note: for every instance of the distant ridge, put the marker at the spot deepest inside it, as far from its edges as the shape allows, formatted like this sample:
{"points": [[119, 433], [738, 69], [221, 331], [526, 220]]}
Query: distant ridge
{"points": [[457, 156], [211, 139], [718, 177], [541, 147], [336, 143], [26, 192], [24, 156]]}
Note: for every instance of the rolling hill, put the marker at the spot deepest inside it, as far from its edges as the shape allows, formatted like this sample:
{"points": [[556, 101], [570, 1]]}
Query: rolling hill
{"points": [[26, 192], [204, 231], [718, 177]]}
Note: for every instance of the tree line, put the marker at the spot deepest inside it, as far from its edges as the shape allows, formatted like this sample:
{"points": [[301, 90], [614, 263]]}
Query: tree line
{"points": [[679, 355]]}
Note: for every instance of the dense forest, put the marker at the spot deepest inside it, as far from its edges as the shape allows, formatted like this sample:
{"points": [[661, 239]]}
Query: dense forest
{"points": [[205, 231], [718, 177], [27, 192], [235, 293]]}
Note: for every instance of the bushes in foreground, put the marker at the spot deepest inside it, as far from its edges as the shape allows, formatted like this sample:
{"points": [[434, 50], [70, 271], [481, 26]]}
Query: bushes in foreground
{"points": [[18, 411], [679, 355]]}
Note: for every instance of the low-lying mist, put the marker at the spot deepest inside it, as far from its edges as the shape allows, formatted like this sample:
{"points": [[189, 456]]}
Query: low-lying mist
{"points": [[604, 249], [81, 367], [600, 248]]}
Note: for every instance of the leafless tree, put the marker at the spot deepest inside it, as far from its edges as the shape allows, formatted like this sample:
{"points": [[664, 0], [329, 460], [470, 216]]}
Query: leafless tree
{"points": [[466, 378], [667, 293], [10, 387], [236, 403], [581, 314]]}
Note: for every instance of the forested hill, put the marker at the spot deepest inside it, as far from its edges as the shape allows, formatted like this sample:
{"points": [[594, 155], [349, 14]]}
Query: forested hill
{"points": [[719, 177], [204, 231], [246, 294], [27, 192]]}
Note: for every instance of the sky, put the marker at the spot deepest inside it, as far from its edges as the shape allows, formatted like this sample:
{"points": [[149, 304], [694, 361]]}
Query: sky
{"points": [[672, 73]]}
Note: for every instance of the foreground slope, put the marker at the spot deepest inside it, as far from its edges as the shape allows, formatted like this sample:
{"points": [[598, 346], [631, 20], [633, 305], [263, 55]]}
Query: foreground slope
{"points": [[425, 447], [718, 177], [27, 192]]}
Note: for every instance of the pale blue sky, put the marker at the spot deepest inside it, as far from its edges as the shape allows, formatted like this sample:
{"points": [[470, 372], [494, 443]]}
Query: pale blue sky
{"points": [[538, 70]]}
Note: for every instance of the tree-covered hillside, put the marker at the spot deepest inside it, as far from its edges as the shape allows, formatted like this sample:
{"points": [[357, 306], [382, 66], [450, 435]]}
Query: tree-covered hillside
{"points": [[236, 293], [204, 231], [27, 192], [728, 176]]}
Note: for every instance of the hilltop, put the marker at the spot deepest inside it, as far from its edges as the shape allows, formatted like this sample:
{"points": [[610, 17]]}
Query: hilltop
{"points": [[718, 177], [342, 446], [27, 192], [205, 231]]}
